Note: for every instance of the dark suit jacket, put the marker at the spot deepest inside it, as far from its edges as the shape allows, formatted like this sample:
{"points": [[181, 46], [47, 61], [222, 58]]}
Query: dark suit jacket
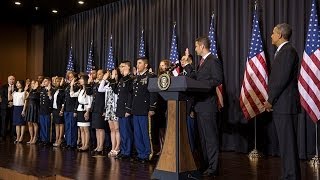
{"points": [[4, 96], [45, 101], [143, 101], [211, 74], [191, 73], [98, 98], [124, 89], [283, 84], [70, 103], [60, 97]]}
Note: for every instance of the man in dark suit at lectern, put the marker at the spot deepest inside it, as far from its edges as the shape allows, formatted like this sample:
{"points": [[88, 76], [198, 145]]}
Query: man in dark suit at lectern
{"points": [[210, 72], [283, 99]]}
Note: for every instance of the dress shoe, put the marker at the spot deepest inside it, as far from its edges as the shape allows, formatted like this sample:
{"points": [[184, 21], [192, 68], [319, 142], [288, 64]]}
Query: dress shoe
{"points": [[122, 157], [99, 153], [134, 159], [71, 148], [83, 150], [209, 174], [143, 160]]}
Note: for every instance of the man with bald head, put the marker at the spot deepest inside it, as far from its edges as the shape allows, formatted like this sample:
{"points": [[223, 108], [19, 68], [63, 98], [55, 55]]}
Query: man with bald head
{"points": [[6, 106]]}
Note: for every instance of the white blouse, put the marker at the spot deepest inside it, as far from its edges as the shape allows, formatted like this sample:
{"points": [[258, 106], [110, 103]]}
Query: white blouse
{"points": [[84, 100], [55, 106], [18, 98]]}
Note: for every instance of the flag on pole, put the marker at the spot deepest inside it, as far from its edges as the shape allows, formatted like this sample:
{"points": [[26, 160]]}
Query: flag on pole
{"points": [[110, 60], [309, 77], [90, 60], [254, 86], [70, 65], [213, 50], [174, 51], [142, 51]]}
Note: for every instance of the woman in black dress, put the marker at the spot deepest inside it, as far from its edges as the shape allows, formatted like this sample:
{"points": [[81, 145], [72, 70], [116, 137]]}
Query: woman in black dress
{"points": [[57, 110], [31, 111]]}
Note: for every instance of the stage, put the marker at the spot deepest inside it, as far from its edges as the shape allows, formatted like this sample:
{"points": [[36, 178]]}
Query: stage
{"points": [[22, 161]]}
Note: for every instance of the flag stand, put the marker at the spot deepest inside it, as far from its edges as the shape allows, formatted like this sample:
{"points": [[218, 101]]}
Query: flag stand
{"points": [[254, 154], [315, 161]]}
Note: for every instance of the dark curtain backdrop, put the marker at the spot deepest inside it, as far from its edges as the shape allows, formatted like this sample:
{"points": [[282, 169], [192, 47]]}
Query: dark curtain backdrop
{"points": [[125, 19]]}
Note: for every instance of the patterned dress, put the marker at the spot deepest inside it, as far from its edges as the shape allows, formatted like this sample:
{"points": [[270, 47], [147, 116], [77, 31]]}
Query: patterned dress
{"points": [[111, 101]]}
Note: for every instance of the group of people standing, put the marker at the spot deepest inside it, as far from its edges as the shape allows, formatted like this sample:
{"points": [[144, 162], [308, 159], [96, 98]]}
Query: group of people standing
{"points": [[120, 102]]}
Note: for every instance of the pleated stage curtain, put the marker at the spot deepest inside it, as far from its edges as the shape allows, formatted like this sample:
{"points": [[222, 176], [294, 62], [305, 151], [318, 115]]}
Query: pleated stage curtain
{"points": [[125, 19]]}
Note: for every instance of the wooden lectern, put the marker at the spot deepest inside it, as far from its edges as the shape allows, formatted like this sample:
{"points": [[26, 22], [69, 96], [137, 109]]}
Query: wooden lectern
{"points": [[176, 160]]}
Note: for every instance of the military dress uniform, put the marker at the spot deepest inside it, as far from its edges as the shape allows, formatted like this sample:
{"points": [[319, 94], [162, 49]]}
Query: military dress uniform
{"points": [[45, 111], [124, 91], [143, 101], [69, 108]]}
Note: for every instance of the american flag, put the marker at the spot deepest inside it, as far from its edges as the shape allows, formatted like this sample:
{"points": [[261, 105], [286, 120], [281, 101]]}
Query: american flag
{"points": [[110, 59], [70, 66], [213, 50], [174, 52], [90, 60], [254, 86], [142, 51], [309, 78]]}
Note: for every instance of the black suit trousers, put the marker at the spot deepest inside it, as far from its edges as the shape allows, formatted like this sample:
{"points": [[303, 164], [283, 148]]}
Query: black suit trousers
{"points": [[6, 122], [208, 132], [288, 145]]}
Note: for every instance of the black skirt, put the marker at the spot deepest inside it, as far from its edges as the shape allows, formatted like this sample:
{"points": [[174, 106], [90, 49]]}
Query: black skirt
{"points": [[98, 121], [32, 114], [81, 121], [57, 119]]}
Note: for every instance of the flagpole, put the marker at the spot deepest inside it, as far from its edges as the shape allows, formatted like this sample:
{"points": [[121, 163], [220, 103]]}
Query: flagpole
{"points": [[315, 161], [254, 154]]}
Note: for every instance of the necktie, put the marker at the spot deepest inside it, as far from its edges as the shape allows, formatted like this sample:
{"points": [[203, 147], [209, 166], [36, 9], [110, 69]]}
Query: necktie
{"points": [[201, 61]]}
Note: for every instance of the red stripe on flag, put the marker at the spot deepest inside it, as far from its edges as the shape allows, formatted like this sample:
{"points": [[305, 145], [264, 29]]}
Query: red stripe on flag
{"points": [[309, 91], [315, 60], [254, 87], [258, 74], [219, 90], [263, 62], [244, 109], [311, 74], [310, 112], [251, 102]]}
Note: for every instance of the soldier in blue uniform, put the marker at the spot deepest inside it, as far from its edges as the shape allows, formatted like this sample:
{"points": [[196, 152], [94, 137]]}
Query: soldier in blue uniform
{"points": [[69, 111], [143, 106], [45, 111], [124, 90]]}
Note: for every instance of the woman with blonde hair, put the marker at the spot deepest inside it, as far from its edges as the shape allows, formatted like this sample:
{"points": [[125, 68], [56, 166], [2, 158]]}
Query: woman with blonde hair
{"points": [[31, 111]]}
